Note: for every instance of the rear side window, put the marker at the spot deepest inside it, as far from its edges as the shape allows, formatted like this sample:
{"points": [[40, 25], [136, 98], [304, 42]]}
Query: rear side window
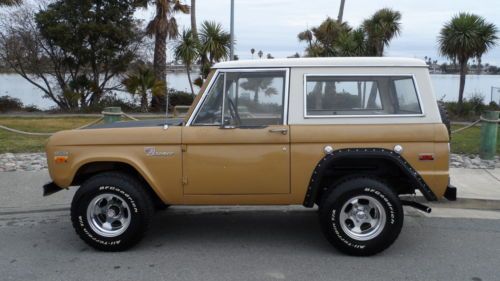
{"points": [[360, 95]]}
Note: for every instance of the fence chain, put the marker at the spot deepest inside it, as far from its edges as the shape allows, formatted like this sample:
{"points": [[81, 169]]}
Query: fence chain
{"points": [[466, 127], [481, 119], [46, 134]]}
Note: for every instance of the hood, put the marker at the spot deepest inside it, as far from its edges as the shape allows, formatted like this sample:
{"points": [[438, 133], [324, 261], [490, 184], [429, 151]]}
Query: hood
{"points": [[147, 132], [140, 123]]}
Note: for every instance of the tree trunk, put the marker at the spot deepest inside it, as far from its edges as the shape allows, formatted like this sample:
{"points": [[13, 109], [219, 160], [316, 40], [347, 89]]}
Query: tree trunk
{"points": [[256, 97], [341, 11], [479, 61], [189, 78], [463, 73], [160, 70], [194, 28], [144, 101]]}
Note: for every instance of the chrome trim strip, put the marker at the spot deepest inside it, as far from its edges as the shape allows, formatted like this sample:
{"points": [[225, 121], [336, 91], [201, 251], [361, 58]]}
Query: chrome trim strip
{"points": [[304, 94]]}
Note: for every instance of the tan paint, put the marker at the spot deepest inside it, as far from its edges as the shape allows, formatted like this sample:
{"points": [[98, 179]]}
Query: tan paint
{"points": [[236, 161], [124, 145], [308, 142], [242, 166]]}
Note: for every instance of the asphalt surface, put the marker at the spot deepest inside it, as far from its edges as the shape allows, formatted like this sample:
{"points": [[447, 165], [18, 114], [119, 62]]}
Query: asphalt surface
{"points": [[37, 242], [219, 244]]}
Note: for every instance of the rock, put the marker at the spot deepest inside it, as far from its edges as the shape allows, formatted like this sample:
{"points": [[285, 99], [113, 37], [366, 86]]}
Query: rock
{"points": [[8, 155], [467, 162], [476, 161]]}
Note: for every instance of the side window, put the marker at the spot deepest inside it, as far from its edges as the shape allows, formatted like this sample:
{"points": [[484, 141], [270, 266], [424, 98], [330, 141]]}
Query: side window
{"points": [[406, 96], [250, 99], [360, 95]]}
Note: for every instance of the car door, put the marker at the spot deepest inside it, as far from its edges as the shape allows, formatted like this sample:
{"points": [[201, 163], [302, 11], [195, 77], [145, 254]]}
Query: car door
{"points": [[237, 140]]}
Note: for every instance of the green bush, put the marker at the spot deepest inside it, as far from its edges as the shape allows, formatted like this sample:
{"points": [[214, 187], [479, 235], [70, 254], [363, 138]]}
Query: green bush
{"points": [[8, 103], [180, 98], [471, 108]]}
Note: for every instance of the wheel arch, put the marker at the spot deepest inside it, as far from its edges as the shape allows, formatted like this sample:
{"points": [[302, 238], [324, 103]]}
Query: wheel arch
{"points": [[91, 168], [329, 170]]}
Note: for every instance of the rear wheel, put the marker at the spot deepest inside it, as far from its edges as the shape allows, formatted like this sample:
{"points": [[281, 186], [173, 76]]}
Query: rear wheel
{"points": [[361, 216], [111, 212]]}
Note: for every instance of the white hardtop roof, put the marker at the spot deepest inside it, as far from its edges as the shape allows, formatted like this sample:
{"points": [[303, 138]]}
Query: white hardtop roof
{"points": [[324, 62]]}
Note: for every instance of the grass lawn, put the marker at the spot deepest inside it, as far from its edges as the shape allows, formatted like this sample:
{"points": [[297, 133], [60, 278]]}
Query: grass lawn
{"points": [[466, 141], [12, 142]]}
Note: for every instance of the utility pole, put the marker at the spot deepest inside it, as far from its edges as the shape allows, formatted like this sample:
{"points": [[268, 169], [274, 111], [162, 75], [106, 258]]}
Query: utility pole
{"points": [[341, 11], [231, 53]]}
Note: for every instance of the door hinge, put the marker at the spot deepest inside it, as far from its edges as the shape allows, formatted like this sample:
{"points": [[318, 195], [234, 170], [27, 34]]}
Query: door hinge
{"points": [[184, 180], [184, 148]]}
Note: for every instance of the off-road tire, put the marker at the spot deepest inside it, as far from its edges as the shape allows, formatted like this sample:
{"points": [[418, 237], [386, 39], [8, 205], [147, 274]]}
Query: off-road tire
{"points": [[445, 117], [339, 196], [126, 187]]}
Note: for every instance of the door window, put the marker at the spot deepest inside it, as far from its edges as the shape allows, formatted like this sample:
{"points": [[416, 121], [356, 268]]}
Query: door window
{"points": [[248, 99]]}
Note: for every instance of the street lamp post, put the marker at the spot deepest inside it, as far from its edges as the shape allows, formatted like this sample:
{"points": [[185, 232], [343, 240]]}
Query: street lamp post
{"points": [[231, 52]]}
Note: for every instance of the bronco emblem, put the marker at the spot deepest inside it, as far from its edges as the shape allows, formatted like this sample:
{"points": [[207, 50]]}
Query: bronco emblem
{"points": [[151, 151]]}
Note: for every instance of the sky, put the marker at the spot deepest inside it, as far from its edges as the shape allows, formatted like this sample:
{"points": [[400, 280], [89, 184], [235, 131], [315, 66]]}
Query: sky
{"points": [[272, 25]]}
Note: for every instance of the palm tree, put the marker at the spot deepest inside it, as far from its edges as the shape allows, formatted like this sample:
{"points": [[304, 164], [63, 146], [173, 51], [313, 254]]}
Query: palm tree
{"points": [[351, 44], [214, 45], [258, 84], [341, 11], [252, 51], [260, 54], [466, 36], [381, 28], [163, 26], [194, 27], [10, 2], [142, 82], [186, 50], [307, 36]]}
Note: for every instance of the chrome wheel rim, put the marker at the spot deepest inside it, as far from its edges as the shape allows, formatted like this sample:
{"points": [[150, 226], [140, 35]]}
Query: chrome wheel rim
{"points": [[108, 215], [362, 218]]}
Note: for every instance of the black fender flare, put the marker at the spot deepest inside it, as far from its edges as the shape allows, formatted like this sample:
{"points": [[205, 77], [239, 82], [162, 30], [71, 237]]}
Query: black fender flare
{"points": [[314, 184]]}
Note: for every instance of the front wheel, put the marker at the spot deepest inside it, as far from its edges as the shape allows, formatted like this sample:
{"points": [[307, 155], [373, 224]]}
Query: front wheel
{"points": [[361, 216], [111, 212]]}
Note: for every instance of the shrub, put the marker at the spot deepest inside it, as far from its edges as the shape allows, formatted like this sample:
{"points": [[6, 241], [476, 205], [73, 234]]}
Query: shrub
{"points": [[8, 103], [180, 98], [471, 108]]}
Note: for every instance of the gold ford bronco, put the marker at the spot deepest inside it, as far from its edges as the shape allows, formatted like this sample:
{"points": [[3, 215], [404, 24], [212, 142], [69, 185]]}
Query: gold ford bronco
{"points": [[350, 135]]}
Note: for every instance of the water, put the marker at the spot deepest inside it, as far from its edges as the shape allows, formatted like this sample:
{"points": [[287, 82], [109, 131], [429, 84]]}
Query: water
{"points": [[445, 86]]}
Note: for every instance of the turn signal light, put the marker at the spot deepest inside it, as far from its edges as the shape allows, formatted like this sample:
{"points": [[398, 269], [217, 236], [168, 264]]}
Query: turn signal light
{"points": [[60, 159], [426, 157]]}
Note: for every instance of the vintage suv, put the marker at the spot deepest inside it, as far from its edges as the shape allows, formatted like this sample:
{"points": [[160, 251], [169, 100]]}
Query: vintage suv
{"points": [[350, 135]]}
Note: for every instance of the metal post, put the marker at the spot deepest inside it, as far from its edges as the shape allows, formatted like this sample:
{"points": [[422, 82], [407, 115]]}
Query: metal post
{"points": [[489, 133], [491, 96], [231, 53], [112, 114]]}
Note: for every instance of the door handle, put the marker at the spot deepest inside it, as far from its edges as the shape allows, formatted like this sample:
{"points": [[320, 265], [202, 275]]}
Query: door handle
{"points": [[283, 131]]}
